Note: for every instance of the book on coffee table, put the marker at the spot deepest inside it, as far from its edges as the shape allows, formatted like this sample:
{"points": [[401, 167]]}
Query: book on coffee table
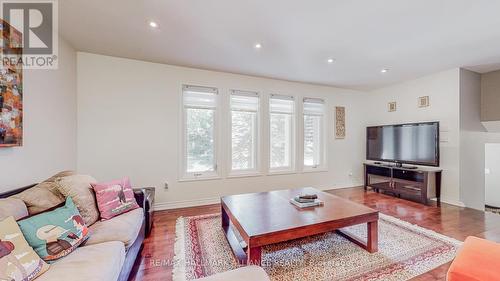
{"points": [[314, 203], [305, 198]]}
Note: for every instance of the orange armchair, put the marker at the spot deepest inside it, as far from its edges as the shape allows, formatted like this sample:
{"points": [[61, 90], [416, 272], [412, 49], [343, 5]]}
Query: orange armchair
{"points": [[477, 260]]}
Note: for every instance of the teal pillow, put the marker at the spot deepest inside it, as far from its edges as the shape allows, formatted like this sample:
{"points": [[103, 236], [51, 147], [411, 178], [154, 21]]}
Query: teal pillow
{"points": [[55, 234]]}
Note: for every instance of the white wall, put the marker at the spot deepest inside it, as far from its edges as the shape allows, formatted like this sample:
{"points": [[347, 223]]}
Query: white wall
{"points": [[473, 138], [443, 91], [492, 179], [128, 125], [471, 141], [49, 103], [471, 144]]}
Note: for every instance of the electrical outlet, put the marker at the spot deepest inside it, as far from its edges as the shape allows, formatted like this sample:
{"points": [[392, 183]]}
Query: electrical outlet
{"points": [[166, 185], [350, 174]]}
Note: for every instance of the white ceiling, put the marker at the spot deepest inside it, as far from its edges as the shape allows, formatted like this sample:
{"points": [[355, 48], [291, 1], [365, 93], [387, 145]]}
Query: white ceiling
{"points": [[410, 37]]}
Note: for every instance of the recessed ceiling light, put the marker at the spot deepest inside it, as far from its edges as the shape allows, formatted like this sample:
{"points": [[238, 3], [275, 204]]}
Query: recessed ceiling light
{"points": [[385, 70], [153, 24], [330, 60], [258, 46]]}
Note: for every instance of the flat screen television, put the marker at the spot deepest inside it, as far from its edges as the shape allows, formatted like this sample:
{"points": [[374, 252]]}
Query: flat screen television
{"points": [[416, 143]]}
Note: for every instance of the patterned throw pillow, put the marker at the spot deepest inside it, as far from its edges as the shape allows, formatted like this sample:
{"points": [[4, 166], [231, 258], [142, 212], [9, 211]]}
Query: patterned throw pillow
{"points": [[56, 233], [114, 198], [18, 261]]}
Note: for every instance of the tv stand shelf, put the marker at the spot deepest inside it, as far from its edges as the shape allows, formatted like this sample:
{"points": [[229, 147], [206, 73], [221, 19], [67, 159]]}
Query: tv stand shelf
{"points": [[422, 184]]}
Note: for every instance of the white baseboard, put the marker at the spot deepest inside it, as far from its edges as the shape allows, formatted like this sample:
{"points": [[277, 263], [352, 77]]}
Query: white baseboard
{"points": [[451, 202], [185, 203]]}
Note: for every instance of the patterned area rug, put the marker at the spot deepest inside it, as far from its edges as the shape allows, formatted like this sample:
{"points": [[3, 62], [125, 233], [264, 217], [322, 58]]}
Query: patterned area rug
{"points": [[405, 251], [493, 210]]}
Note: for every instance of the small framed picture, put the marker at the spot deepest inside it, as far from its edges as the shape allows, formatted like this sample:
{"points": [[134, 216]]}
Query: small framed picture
{"points": [[423, 101], [392, 106]]}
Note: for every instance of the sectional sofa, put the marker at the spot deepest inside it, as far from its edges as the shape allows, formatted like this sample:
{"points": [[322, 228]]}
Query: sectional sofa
{"points": [[110, 252]]}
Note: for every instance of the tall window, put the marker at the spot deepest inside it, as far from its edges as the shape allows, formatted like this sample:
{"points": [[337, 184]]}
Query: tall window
{"points": [[199, 109], [244, 131], [281, 123], [314, 111]]}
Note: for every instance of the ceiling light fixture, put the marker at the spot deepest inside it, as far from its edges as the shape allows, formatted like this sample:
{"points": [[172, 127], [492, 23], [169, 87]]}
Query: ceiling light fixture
{"points": [[385, 70], [330, 60], [153, 24], [258, 46]]}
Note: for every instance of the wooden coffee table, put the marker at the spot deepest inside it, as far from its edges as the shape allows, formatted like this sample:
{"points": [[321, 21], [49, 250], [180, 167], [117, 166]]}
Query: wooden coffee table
{"points": [[268, 217]]}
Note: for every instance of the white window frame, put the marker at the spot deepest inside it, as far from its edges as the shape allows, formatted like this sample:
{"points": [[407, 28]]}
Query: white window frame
{"points": [[293, 145], [257, 153], [207, 175], [323, 166]]}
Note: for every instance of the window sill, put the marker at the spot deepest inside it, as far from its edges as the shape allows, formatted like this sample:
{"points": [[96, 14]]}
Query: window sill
{"points": [[244, 175], [206, 178], [276, 173], [314, 170]]}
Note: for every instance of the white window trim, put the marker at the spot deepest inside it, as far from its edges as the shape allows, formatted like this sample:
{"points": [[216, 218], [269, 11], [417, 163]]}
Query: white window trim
{"points": [[258, 153], [208, 175], [323, 167], [293, 157]]}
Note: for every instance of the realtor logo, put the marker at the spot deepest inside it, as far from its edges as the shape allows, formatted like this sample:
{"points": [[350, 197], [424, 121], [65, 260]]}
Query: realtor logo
{"points": [[33, 28]]}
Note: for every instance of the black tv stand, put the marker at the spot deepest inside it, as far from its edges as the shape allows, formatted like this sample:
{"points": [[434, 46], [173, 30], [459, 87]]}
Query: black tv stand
{"points": [[409, 182]]}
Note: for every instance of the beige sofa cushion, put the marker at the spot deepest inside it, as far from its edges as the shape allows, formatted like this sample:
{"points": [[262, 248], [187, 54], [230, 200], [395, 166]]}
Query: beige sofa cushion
{"points": [[124, 228], [12, 207], [247, 273], [79, 189], [44, 195], [101, 262]]}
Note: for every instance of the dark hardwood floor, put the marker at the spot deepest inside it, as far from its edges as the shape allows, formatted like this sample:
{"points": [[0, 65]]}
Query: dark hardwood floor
{"points": [[155, 261]]}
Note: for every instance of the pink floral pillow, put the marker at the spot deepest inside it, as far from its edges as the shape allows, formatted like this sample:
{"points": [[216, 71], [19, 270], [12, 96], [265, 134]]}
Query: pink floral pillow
{"points": [[114, 198]]}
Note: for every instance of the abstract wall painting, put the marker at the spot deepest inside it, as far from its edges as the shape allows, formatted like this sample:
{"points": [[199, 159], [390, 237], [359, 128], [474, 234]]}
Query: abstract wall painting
{"points": [[11, 90], [340, 122]]}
